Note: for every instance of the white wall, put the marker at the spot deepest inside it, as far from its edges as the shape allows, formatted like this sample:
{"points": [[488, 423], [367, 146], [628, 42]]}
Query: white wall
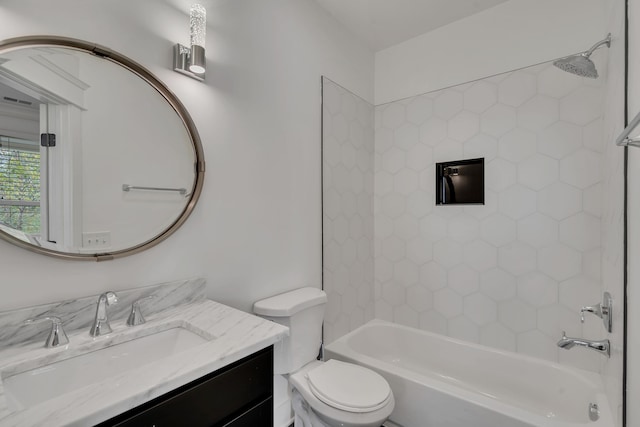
{"points": [[512, 35], [256, 229]]}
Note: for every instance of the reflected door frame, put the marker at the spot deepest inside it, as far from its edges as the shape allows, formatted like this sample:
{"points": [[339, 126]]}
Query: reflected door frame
{"points": [[61, 176]]}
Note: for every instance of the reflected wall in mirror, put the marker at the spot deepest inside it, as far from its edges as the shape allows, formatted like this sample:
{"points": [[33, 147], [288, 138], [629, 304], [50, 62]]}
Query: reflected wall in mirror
{"points": [[98, 159]]}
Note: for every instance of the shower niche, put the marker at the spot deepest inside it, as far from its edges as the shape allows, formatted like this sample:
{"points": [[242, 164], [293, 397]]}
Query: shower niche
{"points": [[460, 182]]}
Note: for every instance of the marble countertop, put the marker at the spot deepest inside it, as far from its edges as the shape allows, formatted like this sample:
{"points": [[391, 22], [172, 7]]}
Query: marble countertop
{"points": [[232, 334]]}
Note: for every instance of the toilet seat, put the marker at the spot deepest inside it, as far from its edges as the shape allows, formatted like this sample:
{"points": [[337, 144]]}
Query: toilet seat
{"points": [[348, 387], [331, 415]]}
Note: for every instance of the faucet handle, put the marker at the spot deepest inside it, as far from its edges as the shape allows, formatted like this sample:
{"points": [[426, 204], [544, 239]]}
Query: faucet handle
{"points": [[135, 316], [595, 309], [57, 336], [603, 310]]}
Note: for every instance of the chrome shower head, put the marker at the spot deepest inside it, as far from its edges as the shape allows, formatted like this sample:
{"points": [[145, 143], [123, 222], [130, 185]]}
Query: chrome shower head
{"points": [[580, 64]]}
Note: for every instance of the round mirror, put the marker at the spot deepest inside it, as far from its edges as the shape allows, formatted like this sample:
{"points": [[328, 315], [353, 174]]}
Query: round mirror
{"points": [[98, 159]]}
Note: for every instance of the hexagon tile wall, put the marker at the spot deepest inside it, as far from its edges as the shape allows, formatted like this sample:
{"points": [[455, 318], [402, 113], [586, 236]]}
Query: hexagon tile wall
{"points": [[513, 273], [510, 274], [347, 218]]}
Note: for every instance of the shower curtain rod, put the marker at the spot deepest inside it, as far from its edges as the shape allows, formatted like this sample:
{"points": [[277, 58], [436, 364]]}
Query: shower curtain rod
{"points": [[624, 140]]}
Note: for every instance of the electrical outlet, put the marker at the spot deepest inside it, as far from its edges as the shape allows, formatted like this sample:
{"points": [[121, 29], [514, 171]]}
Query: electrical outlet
{"points": [[96, 239]]}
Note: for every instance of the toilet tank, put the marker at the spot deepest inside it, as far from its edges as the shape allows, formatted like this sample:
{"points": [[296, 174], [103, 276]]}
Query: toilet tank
{"points": [[302, 311]]}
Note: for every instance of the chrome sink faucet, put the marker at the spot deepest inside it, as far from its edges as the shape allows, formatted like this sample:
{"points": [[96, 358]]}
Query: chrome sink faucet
{"points": [[603, 346], [101, 322]]}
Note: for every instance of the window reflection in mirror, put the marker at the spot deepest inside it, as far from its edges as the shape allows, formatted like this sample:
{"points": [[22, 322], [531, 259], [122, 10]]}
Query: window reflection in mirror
{"points": [[20, 188]]}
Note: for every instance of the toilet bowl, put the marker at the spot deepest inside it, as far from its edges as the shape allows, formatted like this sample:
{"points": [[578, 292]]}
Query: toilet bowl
{"points": [[325, 394]]}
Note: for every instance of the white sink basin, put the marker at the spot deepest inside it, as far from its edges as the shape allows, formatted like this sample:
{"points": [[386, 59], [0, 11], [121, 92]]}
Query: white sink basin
{"points": [[38, 385]]}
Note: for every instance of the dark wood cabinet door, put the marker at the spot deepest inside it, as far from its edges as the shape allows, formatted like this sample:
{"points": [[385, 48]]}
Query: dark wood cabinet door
{"points": [[237, 393]]}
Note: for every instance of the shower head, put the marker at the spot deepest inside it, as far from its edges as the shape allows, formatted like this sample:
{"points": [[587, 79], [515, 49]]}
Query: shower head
{"points": [[580, 64]]}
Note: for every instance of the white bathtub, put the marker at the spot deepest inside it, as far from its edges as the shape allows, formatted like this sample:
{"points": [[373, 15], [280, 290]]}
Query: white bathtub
{"points": [[442, 382]]}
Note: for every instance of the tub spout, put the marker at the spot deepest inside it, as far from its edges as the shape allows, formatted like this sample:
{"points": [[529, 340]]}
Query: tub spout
{"points": [[602, 346], [566, 343]]}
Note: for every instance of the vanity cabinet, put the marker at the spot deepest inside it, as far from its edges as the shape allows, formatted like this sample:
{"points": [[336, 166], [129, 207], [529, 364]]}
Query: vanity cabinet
{"points": [[238, 395]]}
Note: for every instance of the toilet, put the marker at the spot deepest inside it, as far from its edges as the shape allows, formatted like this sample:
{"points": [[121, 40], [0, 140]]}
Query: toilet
{"points": [[324, 394]]}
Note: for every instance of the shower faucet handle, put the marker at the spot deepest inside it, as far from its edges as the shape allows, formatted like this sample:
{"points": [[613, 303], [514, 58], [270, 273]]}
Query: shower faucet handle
{"points": [[603, 310], [593, 309]]}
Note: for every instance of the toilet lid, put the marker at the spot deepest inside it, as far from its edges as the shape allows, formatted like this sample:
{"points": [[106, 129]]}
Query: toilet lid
{"points": [[348, 387]]}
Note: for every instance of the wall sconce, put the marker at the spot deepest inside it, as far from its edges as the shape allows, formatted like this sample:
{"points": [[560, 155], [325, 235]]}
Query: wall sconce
{"points": [[191, 61]]}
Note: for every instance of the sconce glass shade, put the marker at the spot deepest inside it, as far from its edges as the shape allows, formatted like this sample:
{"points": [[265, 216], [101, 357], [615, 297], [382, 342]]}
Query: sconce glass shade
{"points": [[198, 25]]}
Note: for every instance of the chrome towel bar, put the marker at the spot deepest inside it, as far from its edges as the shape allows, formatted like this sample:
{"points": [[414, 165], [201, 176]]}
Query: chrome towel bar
{"points": [[127, 187]]}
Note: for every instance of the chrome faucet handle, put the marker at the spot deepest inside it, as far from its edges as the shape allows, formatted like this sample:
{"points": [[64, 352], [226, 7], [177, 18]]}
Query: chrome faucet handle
{"points": [[135, 316], [57, 336], [594, 309], [603, 310]]}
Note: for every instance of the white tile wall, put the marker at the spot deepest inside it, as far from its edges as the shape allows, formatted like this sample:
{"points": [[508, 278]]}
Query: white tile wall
{"points": [[347, 165], [612, 207], [513, 273]]}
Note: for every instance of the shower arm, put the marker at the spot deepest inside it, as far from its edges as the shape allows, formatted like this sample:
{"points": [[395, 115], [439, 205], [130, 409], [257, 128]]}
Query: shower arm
{"points": [[606, 41]]}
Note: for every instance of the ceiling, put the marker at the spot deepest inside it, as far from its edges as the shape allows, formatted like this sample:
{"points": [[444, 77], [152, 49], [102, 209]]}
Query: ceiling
{"points": [[384, 23]]}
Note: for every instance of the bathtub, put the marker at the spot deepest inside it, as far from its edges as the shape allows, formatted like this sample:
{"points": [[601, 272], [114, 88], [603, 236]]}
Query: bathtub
{"points": [[443, 382]]}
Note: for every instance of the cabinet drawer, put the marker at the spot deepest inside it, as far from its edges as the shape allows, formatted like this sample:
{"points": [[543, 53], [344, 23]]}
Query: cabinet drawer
{"points": [[260, 415], [213, 400]]}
